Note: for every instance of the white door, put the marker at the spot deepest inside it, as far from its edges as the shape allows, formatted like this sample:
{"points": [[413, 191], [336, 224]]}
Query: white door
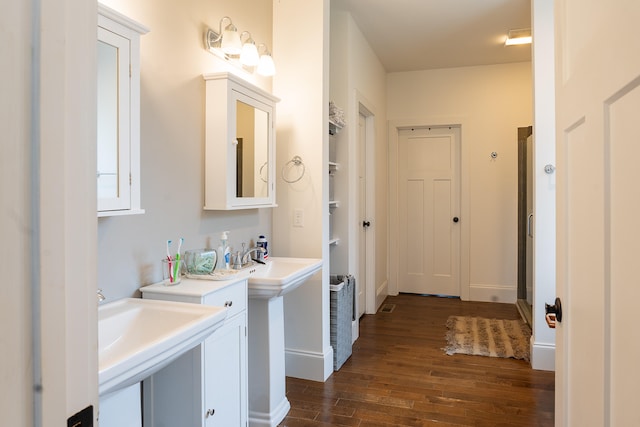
{"points": [[428, 209], [361, 283], [598, 233]]}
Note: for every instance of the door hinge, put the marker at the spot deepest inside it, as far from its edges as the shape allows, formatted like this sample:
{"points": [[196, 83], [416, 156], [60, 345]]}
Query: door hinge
{"points": [[130, 180]]}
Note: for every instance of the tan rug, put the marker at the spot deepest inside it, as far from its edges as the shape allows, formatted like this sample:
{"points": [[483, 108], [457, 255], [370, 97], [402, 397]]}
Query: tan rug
{"points": [[488, 337]]}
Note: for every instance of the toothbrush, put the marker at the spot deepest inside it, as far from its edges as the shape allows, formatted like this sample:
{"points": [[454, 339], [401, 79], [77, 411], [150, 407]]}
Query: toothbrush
{"points": [[169, 260], [177, 264]]}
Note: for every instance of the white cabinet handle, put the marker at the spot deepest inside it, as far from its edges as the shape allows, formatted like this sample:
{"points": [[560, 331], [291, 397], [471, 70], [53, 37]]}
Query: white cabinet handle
{"points": [[210, 412]]}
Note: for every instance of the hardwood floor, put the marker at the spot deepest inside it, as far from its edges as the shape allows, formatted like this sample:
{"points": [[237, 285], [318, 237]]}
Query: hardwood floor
{"points": [[398, 375]]}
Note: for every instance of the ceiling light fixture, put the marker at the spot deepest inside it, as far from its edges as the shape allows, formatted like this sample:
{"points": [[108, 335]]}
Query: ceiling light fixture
{"points": [[239, 49], [517, 37]]}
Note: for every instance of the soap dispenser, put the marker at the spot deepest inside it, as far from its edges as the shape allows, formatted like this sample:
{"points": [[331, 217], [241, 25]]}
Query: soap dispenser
{"points": [[224, 253]]}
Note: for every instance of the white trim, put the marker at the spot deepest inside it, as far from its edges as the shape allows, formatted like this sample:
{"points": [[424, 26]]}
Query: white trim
{"points": [[309, 365], [543, 356], [493, 293]]}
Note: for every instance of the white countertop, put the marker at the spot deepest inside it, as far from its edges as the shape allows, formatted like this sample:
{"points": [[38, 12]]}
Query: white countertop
{"points": [[191, 287]]}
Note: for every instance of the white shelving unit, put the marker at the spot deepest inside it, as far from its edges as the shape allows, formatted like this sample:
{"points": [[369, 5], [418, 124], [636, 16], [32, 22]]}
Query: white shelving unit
{"points": [[333, 168]]}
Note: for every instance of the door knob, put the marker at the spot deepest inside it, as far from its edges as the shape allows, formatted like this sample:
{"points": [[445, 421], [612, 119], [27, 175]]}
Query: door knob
{"points": [[366, 224], [553, 313], [456, 219]]}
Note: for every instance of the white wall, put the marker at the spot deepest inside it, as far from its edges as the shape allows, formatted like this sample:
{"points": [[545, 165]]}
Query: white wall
{"points": [[357, 77], [15, 207], [491, 102], [544, 338], [49, 229], [301, 51], [173, 60]]}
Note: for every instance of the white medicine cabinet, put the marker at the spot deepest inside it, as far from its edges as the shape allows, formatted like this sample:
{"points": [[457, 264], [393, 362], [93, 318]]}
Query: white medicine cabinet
{"points": [[118, 113], [239, 144]]}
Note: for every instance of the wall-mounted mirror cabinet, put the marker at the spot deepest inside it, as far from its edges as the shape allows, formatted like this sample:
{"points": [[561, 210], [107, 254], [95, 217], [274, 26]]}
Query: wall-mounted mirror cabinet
{"points": [[240, 144], [118, 109]]}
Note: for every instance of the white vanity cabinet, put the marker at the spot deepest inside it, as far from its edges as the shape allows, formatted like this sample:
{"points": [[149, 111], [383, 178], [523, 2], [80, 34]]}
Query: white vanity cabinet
{"points": [[239, 144], [207, 386]]}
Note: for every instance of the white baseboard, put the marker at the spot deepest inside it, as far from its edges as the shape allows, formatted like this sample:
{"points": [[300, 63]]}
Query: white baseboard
{"points": [[309, 365], [493, 293], [355, 330], [543, 356]]}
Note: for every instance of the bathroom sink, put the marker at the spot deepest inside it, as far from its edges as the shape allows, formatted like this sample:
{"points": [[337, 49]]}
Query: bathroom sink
{"points": [[281, 275], [137, 337]]}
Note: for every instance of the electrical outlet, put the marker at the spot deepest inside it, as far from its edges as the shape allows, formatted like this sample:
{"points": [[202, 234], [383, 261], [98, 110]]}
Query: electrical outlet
{"points": [[83, 418], [298, 218]]}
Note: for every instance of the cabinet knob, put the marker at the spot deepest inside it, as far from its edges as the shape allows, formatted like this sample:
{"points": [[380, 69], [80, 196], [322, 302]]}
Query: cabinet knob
{"points": [[228, 303], [210, 412]]}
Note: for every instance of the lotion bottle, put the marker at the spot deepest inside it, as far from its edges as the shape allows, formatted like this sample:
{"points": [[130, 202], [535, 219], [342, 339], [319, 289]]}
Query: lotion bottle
{"points": [[223, 252]]}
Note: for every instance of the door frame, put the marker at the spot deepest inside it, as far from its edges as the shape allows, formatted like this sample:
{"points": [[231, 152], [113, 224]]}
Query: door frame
{"points": [[373, 297], [394, 129]]}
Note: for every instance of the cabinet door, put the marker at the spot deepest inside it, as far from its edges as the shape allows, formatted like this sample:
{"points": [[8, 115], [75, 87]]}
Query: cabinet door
{"points": [[225, 374]]}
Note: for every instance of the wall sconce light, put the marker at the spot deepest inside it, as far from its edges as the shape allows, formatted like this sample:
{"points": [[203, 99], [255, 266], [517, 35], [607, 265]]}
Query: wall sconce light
{"points": [[266, 67], [249, 55], [228, 40], [239, 48], [516, 37]]}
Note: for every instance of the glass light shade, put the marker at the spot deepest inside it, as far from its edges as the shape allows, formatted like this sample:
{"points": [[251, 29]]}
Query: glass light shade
{"points": [[266, 67], [231, 44], [517, 41], [249, 55]]}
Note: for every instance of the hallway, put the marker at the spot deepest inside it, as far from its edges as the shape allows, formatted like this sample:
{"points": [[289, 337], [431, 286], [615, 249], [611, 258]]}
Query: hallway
{"points": [[399, 375]]}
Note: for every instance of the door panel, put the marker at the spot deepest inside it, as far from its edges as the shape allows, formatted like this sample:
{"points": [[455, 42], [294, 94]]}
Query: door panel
{"points": [[598, 99], [428, 199], [361, 283]]}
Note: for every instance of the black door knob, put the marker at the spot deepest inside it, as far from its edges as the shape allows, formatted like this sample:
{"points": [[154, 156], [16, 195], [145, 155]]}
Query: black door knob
{"points": [[366, 224], [556, 309], [456, 219]]}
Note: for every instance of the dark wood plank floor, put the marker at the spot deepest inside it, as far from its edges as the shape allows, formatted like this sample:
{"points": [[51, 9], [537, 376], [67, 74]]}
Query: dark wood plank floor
{"points": [[398, 375]]}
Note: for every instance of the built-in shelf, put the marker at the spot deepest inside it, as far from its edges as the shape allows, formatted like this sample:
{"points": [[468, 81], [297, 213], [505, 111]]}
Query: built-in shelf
{"points": [[334, 127]]}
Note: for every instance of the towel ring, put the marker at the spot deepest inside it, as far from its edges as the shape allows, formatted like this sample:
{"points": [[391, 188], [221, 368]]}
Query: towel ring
{"points": [[260, 172], [295, 161]]}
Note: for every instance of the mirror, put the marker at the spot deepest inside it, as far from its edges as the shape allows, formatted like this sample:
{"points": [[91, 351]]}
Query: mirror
{"points": [[252, 150], [107, 121]]}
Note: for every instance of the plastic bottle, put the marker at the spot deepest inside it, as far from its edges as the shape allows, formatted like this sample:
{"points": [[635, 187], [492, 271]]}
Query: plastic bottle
{"points": [[223, 252], [262, 243]]}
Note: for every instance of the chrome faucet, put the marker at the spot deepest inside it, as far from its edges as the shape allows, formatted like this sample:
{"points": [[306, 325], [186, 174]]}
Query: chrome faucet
{"points": [[242, 259], [100, 295], [246, 256]]}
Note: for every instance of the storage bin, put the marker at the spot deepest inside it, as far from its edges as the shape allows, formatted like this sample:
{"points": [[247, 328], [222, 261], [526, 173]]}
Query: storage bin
{"points": [[341, 315]]}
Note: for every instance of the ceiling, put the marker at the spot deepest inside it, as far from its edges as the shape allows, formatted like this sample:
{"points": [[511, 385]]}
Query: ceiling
{"points": [[409, 35]]}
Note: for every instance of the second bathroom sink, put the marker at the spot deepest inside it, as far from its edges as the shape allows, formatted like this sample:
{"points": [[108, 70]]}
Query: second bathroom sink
{"points": [[281, 275], [137, 337]]}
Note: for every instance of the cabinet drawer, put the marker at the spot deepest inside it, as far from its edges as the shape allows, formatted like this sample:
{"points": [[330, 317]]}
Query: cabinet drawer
{"points": [[233, 296]]}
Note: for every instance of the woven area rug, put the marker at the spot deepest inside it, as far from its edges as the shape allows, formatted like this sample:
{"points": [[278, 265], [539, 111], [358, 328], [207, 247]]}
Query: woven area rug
{"points": [[488, 337]]}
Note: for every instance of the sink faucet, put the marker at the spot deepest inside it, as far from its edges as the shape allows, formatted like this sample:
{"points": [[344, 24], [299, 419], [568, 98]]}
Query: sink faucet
{"points": [[246, 256], [100, 295], [242, 259]]}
